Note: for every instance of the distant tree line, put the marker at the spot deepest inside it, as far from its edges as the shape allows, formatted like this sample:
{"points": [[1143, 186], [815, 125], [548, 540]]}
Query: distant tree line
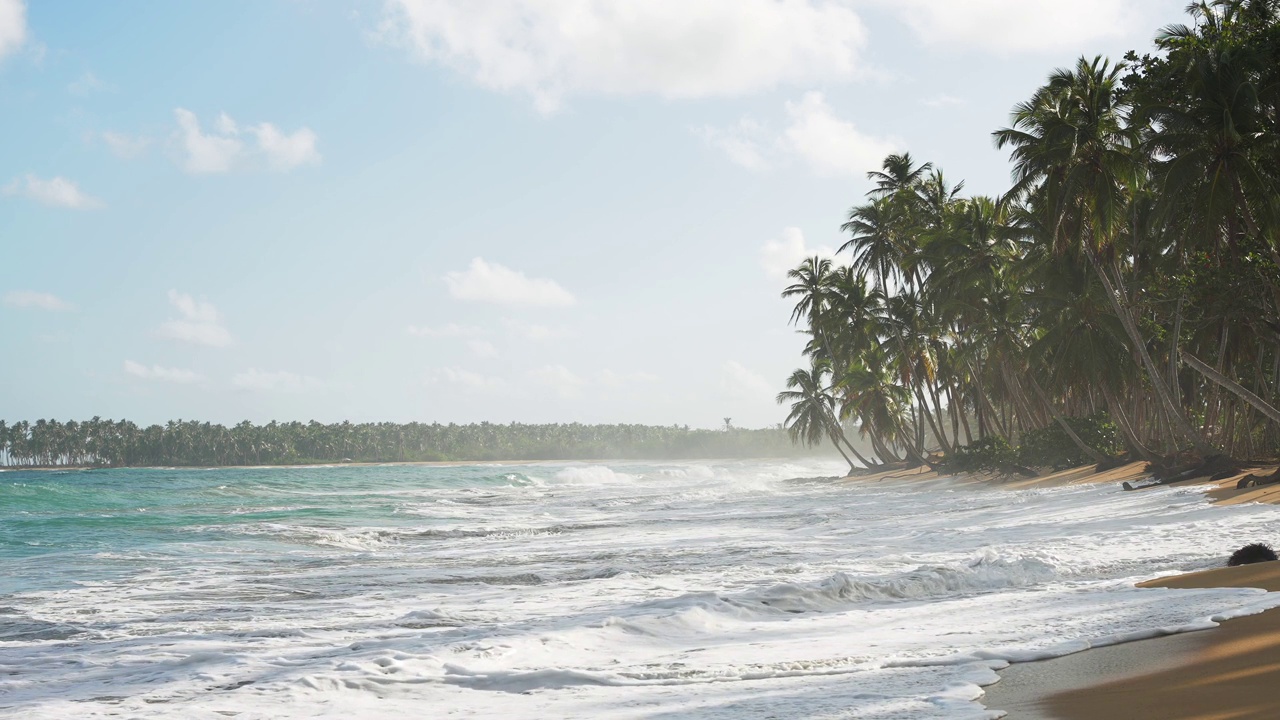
{"points": [[1131, 274], [107, 443]]}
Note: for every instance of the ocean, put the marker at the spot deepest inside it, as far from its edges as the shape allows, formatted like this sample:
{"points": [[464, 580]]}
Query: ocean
{"points": [[658, 590]]}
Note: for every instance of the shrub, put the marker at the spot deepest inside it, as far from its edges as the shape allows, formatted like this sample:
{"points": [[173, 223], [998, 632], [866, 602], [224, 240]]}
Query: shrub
{"points": [[990, 453], [1051, 446]]}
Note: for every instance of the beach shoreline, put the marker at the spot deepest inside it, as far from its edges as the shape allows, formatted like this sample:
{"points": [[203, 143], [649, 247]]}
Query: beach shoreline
{"points": [[1219, 673], [1227, 671], [1222, 491]]}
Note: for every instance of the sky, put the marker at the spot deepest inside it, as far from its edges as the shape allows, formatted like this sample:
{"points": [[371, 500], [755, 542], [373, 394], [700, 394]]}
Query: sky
{"points": [[455, 211]]}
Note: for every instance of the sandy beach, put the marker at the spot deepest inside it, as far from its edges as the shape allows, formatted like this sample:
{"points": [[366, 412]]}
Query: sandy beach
{"points": [[1225, 673], [1228, 672]]}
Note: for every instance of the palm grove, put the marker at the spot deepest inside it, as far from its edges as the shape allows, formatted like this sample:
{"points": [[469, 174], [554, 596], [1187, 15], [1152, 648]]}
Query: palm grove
{"points": [[1122, 296], [108, 443]]}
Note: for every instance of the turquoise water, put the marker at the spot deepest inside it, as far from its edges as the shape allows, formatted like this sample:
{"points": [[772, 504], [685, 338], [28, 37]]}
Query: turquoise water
{"points": [[142, 507], [724, 590], [81, 518]]}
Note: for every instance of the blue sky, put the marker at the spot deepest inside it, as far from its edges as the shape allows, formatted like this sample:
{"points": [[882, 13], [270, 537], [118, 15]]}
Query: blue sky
{"points": [[442, 210]]}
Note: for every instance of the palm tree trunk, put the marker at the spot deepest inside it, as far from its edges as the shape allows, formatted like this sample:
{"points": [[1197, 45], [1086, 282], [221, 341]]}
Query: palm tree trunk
{"points": [[1226, 382], [961, 410], [878, 444], [1131, 329], [1126, 428], [948, 446], [852, 467], [865, 462], [1175, 387], [836, 430], [991, 416], [1021, 405], [1062, 422], [924, 407]]}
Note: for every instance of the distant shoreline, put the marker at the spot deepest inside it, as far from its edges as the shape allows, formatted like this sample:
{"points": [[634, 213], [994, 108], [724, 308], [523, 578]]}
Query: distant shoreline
{"points": [[393, 463]]}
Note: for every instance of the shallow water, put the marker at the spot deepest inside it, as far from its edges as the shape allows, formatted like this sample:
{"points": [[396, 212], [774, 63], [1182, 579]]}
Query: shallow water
{"points": [[656, 590]]}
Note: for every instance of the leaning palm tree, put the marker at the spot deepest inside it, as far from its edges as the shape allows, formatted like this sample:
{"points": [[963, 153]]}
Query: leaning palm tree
{"points": [[811, 415], [811, 286], [1072, 144]]}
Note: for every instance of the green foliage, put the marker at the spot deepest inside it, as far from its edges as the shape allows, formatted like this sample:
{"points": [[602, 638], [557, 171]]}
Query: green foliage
{"points": [[1142, 223], [107, 443], [1050, 446], [990, 454]]}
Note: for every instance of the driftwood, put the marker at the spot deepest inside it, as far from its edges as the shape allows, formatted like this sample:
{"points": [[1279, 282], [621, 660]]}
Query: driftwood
{"points": [[1016, 469], [1179, 468], [876, 469], [1252, 480]]}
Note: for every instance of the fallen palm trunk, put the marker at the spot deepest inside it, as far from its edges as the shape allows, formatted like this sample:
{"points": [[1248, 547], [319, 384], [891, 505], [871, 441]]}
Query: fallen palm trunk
{"points": [[1252, 480], [1171, 471], [1228, 383]]}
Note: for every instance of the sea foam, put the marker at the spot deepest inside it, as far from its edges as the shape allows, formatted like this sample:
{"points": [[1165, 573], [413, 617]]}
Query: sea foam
{"points": [[660, 590]]}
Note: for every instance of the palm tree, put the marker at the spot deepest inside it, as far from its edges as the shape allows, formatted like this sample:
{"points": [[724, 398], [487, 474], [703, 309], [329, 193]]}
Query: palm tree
{"points": [[898, 174], [811, 415], [877, 245], [1071, 144], [813, 289]]}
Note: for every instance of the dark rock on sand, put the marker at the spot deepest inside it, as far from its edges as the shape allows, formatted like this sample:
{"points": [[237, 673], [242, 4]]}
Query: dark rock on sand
{"points": [[1252, 553]]}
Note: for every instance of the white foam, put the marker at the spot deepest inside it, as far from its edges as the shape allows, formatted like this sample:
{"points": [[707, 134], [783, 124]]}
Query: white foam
{"points": [[591, 475], [710, 590]]}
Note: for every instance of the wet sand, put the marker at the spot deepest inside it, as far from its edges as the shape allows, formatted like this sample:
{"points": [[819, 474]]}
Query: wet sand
{"points": [[1231, 672]]}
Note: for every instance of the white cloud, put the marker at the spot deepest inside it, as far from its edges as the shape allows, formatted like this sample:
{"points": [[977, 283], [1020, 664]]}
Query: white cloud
{"points": [[226, 125], [780, 255], [829, 145], [550, 49], [278, 381], [126, 146], [88, 84], [534, 331], [483, 348], [54, 192], [205, 153], [31, 299], [742, 143], [286, 152], [813, 133], [199, 323], [13, 26], [1005, 26], [222, 149], [163, 374], [444, 331], [942, 100], [485, 282], [465, 378], [559, 378], [739, 382], [613, 379]]}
